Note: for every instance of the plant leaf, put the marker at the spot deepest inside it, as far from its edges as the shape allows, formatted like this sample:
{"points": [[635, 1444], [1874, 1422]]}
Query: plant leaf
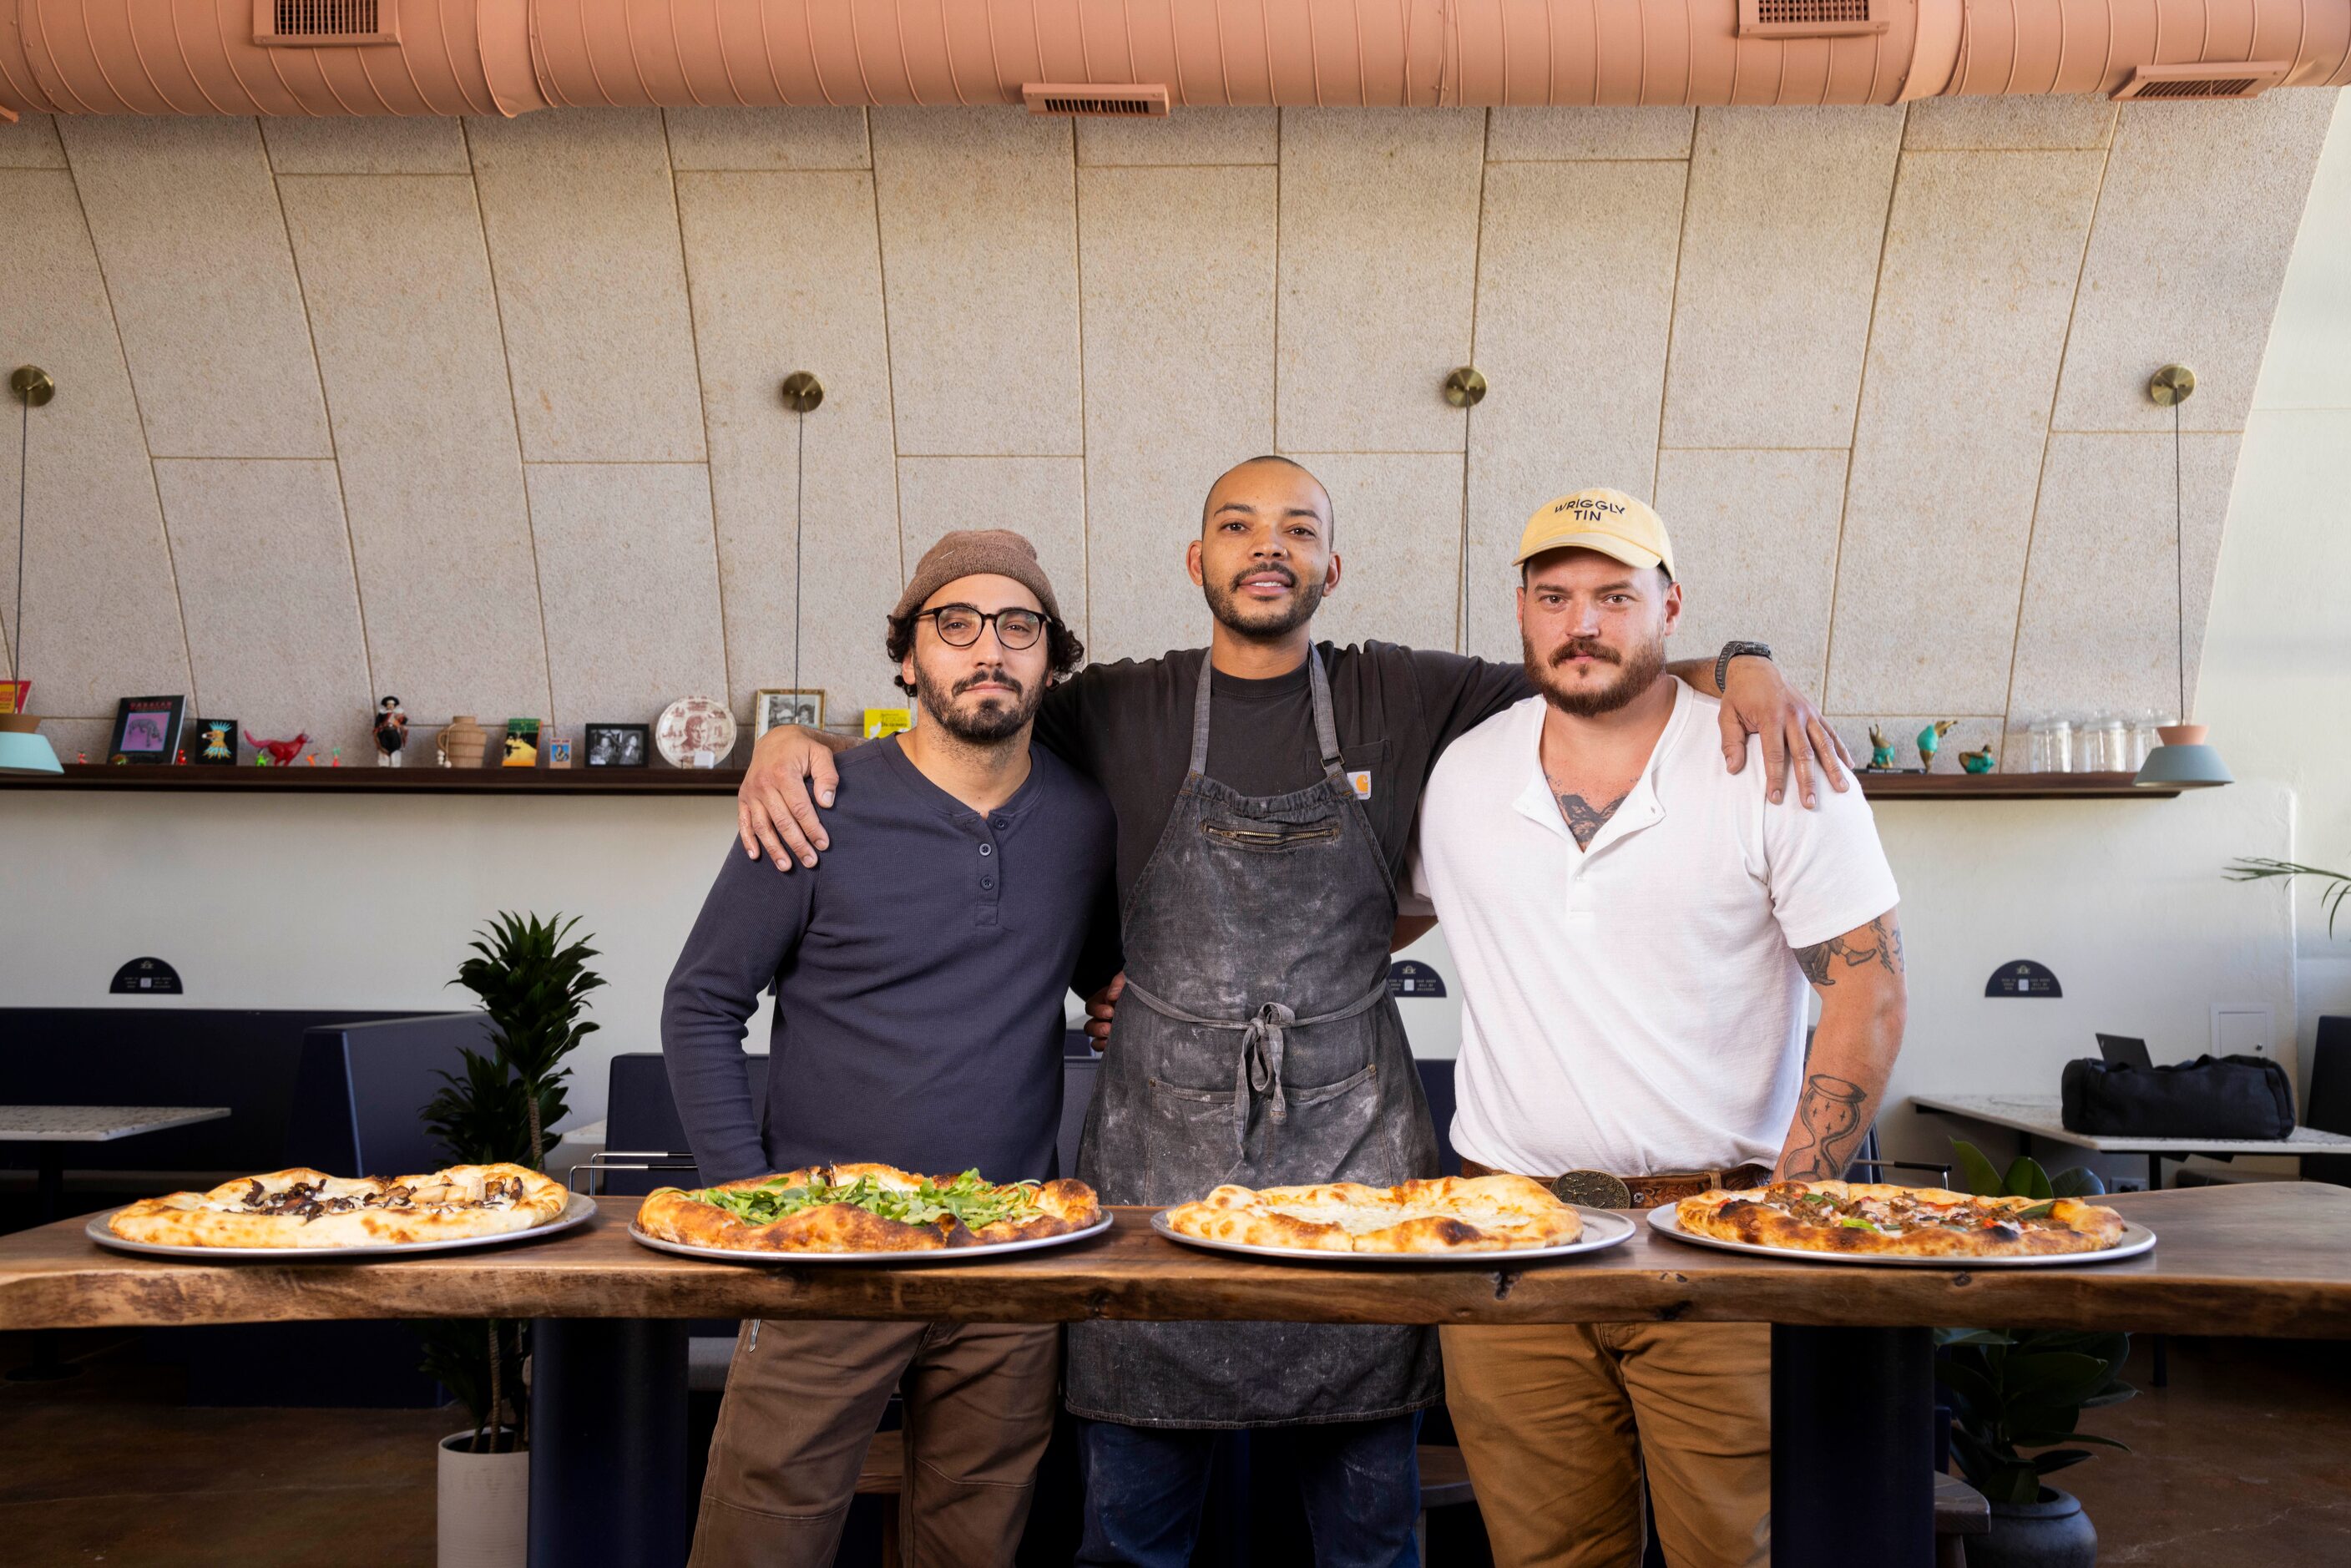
{"points": [[2025, 1178], [2057, 1460], [2079, 1182], [1977, 1173]]}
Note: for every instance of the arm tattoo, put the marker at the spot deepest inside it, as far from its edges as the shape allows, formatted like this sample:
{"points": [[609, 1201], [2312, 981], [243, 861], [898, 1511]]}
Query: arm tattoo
{"points": [[1830, 1113], [1585, 820], [1885, 951]]}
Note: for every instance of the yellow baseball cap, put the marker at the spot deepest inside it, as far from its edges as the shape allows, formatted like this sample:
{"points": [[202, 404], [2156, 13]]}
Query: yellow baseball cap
{"points": [[1608, 521]]}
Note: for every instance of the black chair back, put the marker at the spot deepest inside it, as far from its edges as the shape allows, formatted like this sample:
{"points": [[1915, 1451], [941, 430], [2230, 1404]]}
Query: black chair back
{"points": [[2328, 1107], [641, 1117], [360, 1089]]}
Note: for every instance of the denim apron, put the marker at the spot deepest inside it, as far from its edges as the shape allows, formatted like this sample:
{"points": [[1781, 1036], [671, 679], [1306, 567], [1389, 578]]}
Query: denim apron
{"points": [[1256, 1044]]}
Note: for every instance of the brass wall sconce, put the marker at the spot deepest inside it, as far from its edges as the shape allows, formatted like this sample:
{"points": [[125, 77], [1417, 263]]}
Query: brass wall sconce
{"points": [[1465, 388]]}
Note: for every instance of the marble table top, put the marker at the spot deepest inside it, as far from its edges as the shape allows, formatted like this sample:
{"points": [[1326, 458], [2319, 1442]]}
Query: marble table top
{"points": [[96, 1123]]}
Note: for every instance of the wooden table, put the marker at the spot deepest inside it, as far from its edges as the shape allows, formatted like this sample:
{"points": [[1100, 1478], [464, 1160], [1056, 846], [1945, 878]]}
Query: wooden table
{"points": [[1852, 1388], [2040, 1116]]}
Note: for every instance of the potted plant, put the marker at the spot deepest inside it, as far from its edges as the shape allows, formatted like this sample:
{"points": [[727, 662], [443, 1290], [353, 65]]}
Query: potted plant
{"points": [[2014, 1389], [533, 984]]}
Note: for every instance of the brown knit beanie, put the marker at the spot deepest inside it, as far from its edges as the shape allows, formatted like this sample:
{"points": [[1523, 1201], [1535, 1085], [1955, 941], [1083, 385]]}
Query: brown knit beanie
{"points": [[999, 552]]}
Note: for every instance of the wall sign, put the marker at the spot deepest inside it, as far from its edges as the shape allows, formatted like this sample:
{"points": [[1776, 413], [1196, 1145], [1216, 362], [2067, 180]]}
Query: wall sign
{"points": [[2022, 979], [145, 977], [1412, 978]]}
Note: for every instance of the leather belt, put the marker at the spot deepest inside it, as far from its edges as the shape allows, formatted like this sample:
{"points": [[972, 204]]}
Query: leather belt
{"points": [[1603, 1189]]}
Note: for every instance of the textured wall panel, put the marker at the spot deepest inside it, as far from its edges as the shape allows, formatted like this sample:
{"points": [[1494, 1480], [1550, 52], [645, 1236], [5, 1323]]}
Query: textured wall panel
{"points": [[1399, 521], [31, 143], [1755, 537], [1195, 136], [1042, 497], [1538, 135], [374, 144], [768, 139]]}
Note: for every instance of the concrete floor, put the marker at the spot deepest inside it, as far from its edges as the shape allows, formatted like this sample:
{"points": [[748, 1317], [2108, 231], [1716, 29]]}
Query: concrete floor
{"points": [[2240, 1463]]}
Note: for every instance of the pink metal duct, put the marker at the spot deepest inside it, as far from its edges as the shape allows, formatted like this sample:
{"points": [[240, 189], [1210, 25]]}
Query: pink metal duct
{"points": [[479, 57]]}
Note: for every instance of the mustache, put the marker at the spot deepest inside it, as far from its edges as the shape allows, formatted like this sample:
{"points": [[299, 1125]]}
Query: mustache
{"points": [[1282, 572], [994, 675], [1585, 647]]}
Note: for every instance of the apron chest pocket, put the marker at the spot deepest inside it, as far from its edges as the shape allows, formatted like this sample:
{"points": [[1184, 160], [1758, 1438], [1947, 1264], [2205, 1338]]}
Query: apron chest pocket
{"points": [[1270, 837]]}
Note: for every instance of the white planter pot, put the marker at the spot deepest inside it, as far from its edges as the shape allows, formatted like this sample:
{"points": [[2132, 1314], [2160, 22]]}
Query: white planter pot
{"points": [[484, 1506]]}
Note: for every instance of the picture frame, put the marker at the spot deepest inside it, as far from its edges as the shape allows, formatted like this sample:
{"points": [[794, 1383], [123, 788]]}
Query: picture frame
{"points": [[774, 706], [213, 742], [618, 746], [146, 729]]}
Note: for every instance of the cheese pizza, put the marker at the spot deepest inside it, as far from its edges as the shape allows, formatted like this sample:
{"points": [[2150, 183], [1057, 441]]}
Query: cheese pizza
{"points": [[1899, 1221], [303, 1208], [1448, 1213], [866, 1208]]}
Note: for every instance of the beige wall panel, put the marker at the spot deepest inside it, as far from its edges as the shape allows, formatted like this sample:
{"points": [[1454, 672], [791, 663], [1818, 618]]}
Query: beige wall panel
{"points": [[2194, 228], [31, 143], [186, 222], [1572, 324], [366, 144], [2308, 363], [2098, 632], [99, 601], [628, 573], [582, 226], [1379, 242], [1187, 136], [1981, 254], [1576, 133], [1399, 519], [787, 276], [1755, 537], [768, 139], [1779, 263], [1042, 497], [979, 254], [274, 622], [2030, 124], [407, 329], [1179, 278]]}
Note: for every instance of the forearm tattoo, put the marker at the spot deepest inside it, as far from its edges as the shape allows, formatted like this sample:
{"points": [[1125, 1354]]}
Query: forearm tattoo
{"points": [[1585, 820], [1880, 944], [1830, 1115]]}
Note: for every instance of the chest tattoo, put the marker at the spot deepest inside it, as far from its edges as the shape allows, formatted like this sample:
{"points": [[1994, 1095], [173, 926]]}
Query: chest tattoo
{"points": [[1585, 820]]}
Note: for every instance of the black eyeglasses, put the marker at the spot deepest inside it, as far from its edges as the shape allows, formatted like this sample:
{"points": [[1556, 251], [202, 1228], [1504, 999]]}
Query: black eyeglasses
{"points": [[960, 625]]}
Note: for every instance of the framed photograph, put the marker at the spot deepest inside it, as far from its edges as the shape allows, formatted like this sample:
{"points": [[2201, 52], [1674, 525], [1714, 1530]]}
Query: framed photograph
{"points": [[619, 746], [146, 729], [211, 743], [773, 706], [522, 744]]}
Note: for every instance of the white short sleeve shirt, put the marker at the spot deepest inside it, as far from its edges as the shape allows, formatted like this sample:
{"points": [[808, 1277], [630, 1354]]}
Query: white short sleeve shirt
{"points": [[1635, 1006]]}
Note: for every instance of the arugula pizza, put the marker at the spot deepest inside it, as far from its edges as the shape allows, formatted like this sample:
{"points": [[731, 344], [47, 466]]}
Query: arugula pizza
{"points": [[304, 1208], [1899, 1221], [866, 1208], [1445, 1214]]}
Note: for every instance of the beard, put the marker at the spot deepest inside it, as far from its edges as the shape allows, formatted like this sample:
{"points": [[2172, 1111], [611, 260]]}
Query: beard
{"points": [[1638, 670], [1259, 620], [993, 720]]}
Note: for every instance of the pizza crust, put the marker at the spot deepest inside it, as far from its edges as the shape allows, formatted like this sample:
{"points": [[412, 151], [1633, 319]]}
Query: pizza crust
{"points": [[670, 1213], [1902, 1221], [1445, 1214], [301, 1207]]}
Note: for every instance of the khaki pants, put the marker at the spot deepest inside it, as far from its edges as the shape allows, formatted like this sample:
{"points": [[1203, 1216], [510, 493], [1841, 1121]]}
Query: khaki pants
{"points": [[1558, 1423], [802, 1402]]}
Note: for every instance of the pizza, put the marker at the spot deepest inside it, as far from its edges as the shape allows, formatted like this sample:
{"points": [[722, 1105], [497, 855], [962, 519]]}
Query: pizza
{"points": [[1899, 1221], [1448, 1214], [866, 1208], [303, 1208]]}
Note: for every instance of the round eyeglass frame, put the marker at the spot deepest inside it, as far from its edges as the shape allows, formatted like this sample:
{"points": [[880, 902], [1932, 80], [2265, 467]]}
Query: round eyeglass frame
{"points": [[987, 618]]}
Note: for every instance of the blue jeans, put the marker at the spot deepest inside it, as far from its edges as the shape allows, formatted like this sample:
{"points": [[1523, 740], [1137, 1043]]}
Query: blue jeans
{"points": [[1360, 1481]]}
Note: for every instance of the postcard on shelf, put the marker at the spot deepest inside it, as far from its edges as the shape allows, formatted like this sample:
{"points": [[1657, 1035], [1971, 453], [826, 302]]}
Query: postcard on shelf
{"points": [[15, 696], [146, 729], [882, 721]]}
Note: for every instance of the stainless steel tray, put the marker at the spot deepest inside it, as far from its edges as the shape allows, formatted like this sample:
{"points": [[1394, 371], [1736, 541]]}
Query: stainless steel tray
{"points": [[929, 1255], [578, 1212], [1603, 1229], [2136, 1238]]}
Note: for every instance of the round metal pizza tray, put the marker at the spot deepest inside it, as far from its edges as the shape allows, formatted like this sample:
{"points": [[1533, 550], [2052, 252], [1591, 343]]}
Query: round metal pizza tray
{"points": [[1603, 1229], [577, 1211], [927, 1255], [2136, 1238]]}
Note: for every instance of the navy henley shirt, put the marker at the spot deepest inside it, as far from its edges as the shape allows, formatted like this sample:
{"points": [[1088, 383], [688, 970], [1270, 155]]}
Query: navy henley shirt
{"points": [[919, 970]]}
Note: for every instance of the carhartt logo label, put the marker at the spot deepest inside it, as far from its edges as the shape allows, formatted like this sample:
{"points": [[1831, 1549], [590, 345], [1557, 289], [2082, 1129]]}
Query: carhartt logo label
{"points": [[1361, 783]]}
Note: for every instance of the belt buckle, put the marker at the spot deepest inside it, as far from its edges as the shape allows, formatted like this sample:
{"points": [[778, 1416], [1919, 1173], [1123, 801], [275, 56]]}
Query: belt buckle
{"points": [[1594, 1189]]}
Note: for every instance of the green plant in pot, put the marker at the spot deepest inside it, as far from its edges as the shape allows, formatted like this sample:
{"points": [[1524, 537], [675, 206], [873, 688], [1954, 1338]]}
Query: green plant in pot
{"points": [[2011, 1390]]}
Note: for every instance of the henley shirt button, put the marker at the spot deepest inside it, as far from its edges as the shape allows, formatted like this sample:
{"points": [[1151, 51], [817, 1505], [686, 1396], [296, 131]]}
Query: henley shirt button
{"points": [[987, 849], [987, 881]]}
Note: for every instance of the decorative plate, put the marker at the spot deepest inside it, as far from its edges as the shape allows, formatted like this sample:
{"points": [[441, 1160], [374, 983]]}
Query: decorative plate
{"points": [[692, 727]]}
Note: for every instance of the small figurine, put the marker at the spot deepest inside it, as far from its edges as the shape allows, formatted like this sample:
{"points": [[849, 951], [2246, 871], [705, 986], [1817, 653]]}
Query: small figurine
{"points": [[81, 759], [311, 760], [1977, 761], [1930, 740], [1881, 751], [338, 755], [391, 733], [181, 760], [280, 753]]}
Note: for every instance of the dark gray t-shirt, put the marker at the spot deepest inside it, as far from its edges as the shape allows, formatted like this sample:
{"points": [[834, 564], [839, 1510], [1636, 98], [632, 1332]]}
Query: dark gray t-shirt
{"points": [[919, 970]]}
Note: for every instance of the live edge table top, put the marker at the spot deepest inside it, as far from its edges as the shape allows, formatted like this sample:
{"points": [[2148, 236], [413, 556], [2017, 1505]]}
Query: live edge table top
{"points": [[2272, 1259]]}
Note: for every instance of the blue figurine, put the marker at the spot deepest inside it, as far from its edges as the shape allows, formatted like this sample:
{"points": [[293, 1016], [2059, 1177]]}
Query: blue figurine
{"points": [[1930, 740], [1881, 751], [1977, 761]]}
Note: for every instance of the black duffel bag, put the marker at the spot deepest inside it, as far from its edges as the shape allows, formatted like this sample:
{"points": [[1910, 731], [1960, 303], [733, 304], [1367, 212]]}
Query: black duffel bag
{"points": [[2244, 1097]]}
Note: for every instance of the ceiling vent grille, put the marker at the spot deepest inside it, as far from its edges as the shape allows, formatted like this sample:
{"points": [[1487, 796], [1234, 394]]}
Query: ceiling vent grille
{"points": [[314, 24], [2205, 81], [1812, 18], [1140, 101]]}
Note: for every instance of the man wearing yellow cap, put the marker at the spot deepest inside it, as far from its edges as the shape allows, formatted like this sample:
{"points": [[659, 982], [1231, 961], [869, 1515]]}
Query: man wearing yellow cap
{"points": [[1634, 928]]}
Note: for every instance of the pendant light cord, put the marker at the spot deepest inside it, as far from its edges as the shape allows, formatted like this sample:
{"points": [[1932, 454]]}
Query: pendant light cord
{"points": [[2179, 562], [24, 446], [799, 495]]}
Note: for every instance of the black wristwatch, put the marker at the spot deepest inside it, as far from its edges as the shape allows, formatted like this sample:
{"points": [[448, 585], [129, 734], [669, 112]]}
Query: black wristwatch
{"points": [[1736, 651]]}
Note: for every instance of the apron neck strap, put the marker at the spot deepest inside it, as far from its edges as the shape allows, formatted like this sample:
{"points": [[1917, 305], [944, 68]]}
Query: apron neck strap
{"points": [[1326, 729]]}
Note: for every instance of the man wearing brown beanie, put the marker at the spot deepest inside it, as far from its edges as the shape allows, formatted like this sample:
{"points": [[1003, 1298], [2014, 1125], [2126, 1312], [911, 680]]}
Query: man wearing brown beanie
{"points": [[919, 978]]}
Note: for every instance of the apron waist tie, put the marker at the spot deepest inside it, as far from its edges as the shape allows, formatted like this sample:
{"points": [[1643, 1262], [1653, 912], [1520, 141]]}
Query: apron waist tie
{"points": [[1263, 1039]]}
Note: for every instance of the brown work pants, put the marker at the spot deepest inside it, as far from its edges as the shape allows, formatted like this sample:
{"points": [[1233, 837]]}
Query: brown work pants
{"points": [[1558, 1422], [803, 1400]]}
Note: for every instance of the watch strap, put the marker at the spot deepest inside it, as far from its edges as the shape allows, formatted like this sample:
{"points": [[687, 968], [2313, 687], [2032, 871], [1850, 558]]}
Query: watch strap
{"points": [[1736, 651]]}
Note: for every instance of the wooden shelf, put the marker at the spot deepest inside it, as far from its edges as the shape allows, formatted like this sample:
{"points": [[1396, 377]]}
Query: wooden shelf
{"points": [[373, 780]]}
